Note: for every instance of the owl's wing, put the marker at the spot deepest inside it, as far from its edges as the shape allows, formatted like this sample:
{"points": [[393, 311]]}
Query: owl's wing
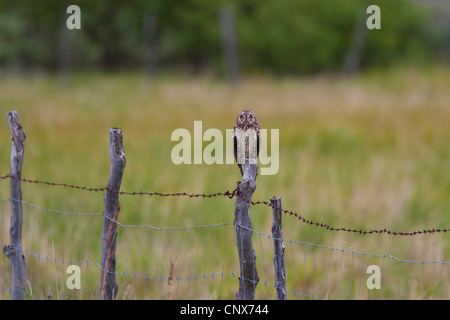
{"points": [[235, 145], [258, 142]]}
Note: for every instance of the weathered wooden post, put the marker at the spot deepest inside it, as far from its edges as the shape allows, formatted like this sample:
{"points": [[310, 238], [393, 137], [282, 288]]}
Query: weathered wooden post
{"points": [[229, 43], [358, 42], [244, 231], [150, 47], [64, 50], [14, 250], [108, 285], [278, 259]]}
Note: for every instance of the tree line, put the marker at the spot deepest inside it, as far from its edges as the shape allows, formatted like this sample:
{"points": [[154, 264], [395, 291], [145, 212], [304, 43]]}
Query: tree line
{"points": [[277, 37]]}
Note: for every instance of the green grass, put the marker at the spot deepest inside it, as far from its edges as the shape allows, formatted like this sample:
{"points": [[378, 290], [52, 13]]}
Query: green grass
{"points": [[366, 152]]}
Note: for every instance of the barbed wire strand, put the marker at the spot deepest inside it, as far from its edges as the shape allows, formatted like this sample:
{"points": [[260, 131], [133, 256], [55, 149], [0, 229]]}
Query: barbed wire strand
{"points": [[198, 267], [230, 195]]}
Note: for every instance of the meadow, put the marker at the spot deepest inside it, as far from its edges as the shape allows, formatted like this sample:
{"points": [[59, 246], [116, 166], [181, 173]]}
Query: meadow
{"points": [[369, 151]]}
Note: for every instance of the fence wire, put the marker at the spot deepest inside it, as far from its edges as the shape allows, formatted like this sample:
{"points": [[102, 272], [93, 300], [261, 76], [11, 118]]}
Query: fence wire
{"points": [[231, 194], [199, 262]]}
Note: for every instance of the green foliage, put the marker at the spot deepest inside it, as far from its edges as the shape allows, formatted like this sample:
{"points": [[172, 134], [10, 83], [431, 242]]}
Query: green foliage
{"points": [[297, 36], [274, 36]]}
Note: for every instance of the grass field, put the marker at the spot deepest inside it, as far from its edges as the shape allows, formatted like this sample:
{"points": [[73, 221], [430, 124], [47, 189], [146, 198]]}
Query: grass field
{"points": [[370, 151]]}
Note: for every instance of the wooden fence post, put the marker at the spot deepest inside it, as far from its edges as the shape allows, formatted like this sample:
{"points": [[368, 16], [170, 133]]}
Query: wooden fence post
{"points": [[64, 50], [150, 46], [358, 42], [278, 259], [244, 231], [229, 43], [14, 250], [108, 285]]}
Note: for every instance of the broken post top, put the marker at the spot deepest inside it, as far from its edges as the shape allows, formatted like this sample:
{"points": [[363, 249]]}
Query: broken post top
{"points": [[116, 145], [118, 159], [18, 136], [250, 171], [248, 183]]}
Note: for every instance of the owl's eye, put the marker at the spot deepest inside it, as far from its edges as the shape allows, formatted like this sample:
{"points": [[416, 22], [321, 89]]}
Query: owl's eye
{"points": [[250, 117], [241, 117]]}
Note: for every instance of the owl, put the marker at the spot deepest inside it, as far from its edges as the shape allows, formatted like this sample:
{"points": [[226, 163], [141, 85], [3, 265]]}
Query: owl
{"points": [[246, 138]]}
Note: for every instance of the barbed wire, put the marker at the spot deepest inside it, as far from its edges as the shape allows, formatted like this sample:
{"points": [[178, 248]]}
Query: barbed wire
{"points": [[332, 228], [231, 194], [200, 262]]}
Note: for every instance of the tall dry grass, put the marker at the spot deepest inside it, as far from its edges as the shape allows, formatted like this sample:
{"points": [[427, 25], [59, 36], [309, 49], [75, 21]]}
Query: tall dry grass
{"points": [[369, 152]]}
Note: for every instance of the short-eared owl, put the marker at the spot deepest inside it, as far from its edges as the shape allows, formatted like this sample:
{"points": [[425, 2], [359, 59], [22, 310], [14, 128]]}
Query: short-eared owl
{"points": [[246, 138]]}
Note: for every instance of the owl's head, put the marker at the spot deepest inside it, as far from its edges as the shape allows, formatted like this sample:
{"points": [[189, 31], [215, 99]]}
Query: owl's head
{"points": [[246, 119]]}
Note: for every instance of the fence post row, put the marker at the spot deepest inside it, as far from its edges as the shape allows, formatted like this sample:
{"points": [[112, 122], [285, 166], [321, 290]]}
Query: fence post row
{"points": [[249, 277], [108, 284], [14, 250], [244, 231], [278, 259]]}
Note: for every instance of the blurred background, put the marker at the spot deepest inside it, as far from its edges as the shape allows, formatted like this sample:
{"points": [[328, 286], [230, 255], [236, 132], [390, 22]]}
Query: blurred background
{"points": [[363, 114], [265, 37]]}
